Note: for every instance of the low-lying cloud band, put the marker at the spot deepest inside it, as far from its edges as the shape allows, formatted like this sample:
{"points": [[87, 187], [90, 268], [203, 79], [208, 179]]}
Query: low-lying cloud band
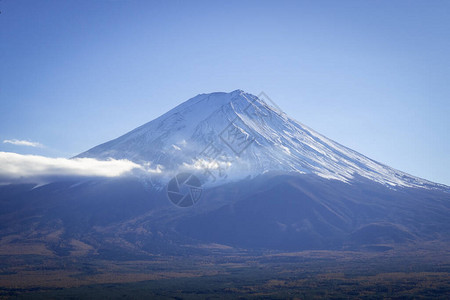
{"points": [[20, 167]]}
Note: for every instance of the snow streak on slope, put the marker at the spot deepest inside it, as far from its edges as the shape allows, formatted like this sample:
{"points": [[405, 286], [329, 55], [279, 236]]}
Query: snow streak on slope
{"points": [[233, 135]]}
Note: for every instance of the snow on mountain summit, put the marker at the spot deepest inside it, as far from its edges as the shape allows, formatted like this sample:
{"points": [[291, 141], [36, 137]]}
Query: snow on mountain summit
{"points": [[223, 135]]}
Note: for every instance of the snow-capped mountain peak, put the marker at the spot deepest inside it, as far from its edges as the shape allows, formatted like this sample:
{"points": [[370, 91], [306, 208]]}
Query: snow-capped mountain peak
{"points": [[233, 135]]}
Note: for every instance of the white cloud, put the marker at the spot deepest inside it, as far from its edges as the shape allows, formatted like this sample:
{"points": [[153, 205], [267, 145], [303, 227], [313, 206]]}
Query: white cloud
{"points": [[20, 167], [23, 143], [202, 164]]}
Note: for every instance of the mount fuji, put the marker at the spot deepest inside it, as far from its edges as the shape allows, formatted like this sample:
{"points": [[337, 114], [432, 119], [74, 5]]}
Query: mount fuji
{"points": [[266, 181], [234, 135]]}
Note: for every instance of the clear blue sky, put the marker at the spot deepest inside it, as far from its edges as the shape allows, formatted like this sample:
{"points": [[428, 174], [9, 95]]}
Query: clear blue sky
{"points": [[372, 75]]}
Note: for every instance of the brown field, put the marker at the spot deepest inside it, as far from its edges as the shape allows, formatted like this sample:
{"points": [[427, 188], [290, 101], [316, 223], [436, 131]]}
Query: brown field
{"points": [[318, 274]]}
